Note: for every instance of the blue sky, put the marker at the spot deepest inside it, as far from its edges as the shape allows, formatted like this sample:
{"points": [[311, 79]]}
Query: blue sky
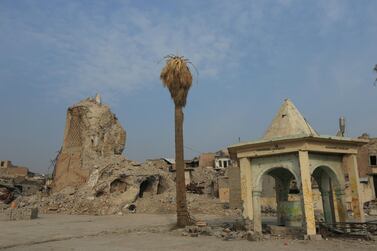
{"points": [[250, 55]]}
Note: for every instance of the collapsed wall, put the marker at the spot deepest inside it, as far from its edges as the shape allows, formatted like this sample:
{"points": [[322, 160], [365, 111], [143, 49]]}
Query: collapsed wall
{"points": [[92, 132]]}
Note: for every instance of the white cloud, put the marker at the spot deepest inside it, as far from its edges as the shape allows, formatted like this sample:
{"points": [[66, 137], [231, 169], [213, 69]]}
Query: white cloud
{"points": [[119, 52], [97, 48], [123, 54]]}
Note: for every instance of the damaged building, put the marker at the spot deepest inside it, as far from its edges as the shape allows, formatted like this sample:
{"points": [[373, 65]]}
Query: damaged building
{"points": [[291, 150], [18, 180], [367, 163], [219, 160], [90, 164], [91, 176]]}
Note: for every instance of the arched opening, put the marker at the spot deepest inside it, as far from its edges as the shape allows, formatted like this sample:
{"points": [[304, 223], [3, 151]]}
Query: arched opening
{"points": [[280, 201], [146, 186], [326, 196], [118, 185]]}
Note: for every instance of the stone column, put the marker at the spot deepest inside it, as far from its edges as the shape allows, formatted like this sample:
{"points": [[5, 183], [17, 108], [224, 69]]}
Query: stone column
{"points": [[246, 187], [306, 188], [257, 211], [282, 191], [327, 198], [350, 163], [327, 209], [341, 204]]}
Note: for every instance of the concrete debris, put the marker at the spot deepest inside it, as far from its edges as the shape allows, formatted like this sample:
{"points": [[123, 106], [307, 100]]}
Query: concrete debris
{"points": [[120, 186], [371, 208], [314, 237], [6, 195], [201, 223], [225, 231], [373, 212], [194, 188], [254, 236]]}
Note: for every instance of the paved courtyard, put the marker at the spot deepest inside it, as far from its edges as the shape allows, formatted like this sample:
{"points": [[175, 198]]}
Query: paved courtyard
{"points": [[138, 232]]}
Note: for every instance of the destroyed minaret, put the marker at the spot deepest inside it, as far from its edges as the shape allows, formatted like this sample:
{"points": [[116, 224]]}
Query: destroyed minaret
{"points": [[92, 131]]}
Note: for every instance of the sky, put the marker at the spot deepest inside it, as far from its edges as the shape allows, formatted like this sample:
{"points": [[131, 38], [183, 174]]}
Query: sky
{"points": [[250, 55]]}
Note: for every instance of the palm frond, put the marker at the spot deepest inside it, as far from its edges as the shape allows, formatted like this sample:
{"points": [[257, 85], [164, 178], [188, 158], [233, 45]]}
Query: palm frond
{"points": [[176, 76]]}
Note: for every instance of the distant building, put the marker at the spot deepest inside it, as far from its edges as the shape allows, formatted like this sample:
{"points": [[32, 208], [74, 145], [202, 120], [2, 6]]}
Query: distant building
{"points": [[188, 168], [207, 160], [20, 179], [367, 163], [219, 160], [222, 159], [8, 169]]}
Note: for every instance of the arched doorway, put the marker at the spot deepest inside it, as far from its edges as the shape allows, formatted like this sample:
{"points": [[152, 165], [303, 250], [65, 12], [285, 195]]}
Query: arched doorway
{"points": [[331, 194], [285, 191]]}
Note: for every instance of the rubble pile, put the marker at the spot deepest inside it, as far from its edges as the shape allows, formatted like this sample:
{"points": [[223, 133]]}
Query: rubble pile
{"points": [[6, 194], [371, 208], [206, 178], [91, 175], [228, 231], [120, 186], [13, 186]]}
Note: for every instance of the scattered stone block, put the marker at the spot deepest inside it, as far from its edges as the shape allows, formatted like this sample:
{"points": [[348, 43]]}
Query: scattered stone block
{"points": [[253, 236], [15, 214], [373, 212], [201, 223], [194, 234], [313, 237]]}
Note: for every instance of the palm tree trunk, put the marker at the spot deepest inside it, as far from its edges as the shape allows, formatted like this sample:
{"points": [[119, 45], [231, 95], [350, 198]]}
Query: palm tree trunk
{"points": [[183, 218]]}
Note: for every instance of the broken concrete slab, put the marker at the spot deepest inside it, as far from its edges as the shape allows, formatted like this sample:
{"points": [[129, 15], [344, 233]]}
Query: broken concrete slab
{"points": [[313, 237]]}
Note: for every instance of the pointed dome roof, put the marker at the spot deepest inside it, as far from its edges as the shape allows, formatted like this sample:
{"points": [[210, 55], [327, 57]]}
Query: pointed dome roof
{"points": [[289, 122]]}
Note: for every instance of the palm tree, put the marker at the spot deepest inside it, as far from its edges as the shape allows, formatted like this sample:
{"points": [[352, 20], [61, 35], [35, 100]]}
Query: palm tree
{"points": [[176, 76]]}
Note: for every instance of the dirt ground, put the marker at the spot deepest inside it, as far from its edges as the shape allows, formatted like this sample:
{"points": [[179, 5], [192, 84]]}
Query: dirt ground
{"points": [[140, 232]]}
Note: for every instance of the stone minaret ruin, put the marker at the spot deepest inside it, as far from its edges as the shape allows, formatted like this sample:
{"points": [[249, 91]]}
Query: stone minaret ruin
{"points": [[92, 131]]}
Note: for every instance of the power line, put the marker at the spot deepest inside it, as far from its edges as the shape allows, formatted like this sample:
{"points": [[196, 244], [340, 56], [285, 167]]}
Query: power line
{"points": [[191, 149]]}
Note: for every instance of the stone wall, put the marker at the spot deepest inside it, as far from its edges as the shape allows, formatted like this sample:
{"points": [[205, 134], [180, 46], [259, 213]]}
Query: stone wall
{"points": [[234, 187], [223, 183], [14, 171], [207, 160]]}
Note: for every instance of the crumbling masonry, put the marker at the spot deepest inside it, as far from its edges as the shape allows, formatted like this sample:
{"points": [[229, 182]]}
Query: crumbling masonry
{"points": [[92, 131]]}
